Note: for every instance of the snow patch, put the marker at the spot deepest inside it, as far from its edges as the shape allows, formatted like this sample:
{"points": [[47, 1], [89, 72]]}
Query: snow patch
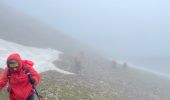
{"points": [[43, 58]]}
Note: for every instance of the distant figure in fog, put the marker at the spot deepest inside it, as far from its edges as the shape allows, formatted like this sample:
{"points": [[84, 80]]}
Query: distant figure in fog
{"points": [[114, 64], [78, 62], [125, 65]]}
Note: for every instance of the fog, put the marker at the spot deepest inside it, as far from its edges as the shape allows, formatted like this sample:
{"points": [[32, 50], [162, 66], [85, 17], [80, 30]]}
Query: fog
{"points": [[120, 29], [90, 49]]}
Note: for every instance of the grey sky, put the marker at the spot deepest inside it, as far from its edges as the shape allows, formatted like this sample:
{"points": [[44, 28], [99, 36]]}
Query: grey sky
{"points": [[115, 27]]}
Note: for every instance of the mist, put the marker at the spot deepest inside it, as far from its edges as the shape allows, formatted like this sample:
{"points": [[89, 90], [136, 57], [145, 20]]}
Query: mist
{"points": [[91, 49], [117, 28], [125, 30]]}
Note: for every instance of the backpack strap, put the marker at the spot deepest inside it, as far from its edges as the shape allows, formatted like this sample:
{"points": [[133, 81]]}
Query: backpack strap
{"points": [[26, 70], [9, 74]]}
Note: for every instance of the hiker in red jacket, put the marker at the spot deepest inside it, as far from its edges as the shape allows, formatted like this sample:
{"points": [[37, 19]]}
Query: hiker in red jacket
{"points": [[15, 74]]}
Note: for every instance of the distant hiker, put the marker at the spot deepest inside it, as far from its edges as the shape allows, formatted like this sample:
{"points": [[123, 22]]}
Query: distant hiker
{"points": [[114, 64], [77, 64], [16, 75], [125, 65], [82, 54]]}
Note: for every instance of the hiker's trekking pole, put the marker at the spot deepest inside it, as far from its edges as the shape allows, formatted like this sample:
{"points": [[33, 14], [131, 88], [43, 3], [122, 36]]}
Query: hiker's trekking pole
{"points": [[36, 92]]}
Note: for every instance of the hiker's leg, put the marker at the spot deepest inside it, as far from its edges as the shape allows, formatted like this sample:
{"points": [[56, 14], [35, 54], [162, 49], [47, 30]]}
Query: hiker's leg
{"points": [[30, 97]]}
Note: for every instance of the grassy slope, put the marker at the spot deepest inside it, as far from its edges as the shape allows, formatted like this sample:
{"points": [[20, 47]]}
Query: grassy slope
{"points": [[126, 84]]}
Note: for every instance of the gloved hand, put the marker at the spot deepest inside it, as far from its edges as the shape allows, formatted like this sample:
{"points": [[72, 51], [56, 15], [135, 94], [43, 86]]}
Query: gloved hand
{"points": [[32, 80], [9, 89]]}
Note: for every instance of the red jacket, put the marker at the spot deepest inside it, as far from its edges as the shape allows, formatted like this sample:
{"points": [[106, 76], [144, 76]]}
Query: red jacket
{"points": [[19, 81]]}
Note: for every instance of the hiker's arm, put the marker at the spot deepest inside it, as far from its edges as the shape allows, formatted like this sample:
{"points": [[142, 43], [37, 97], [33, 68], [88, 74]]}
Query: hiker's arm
{"points": [[3, 78], [35, 75]]}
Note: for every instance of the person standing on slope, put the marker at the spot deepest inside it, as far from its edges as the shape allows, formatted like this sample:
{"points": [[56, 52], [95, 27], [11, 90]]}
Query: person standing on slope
{"points": [[16, 75]]}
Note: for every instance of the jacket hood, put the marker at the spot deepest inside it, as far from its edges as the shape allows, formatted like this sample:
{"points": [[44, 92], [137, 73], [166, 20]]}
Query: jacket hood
{"points": [[15, 56]]}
